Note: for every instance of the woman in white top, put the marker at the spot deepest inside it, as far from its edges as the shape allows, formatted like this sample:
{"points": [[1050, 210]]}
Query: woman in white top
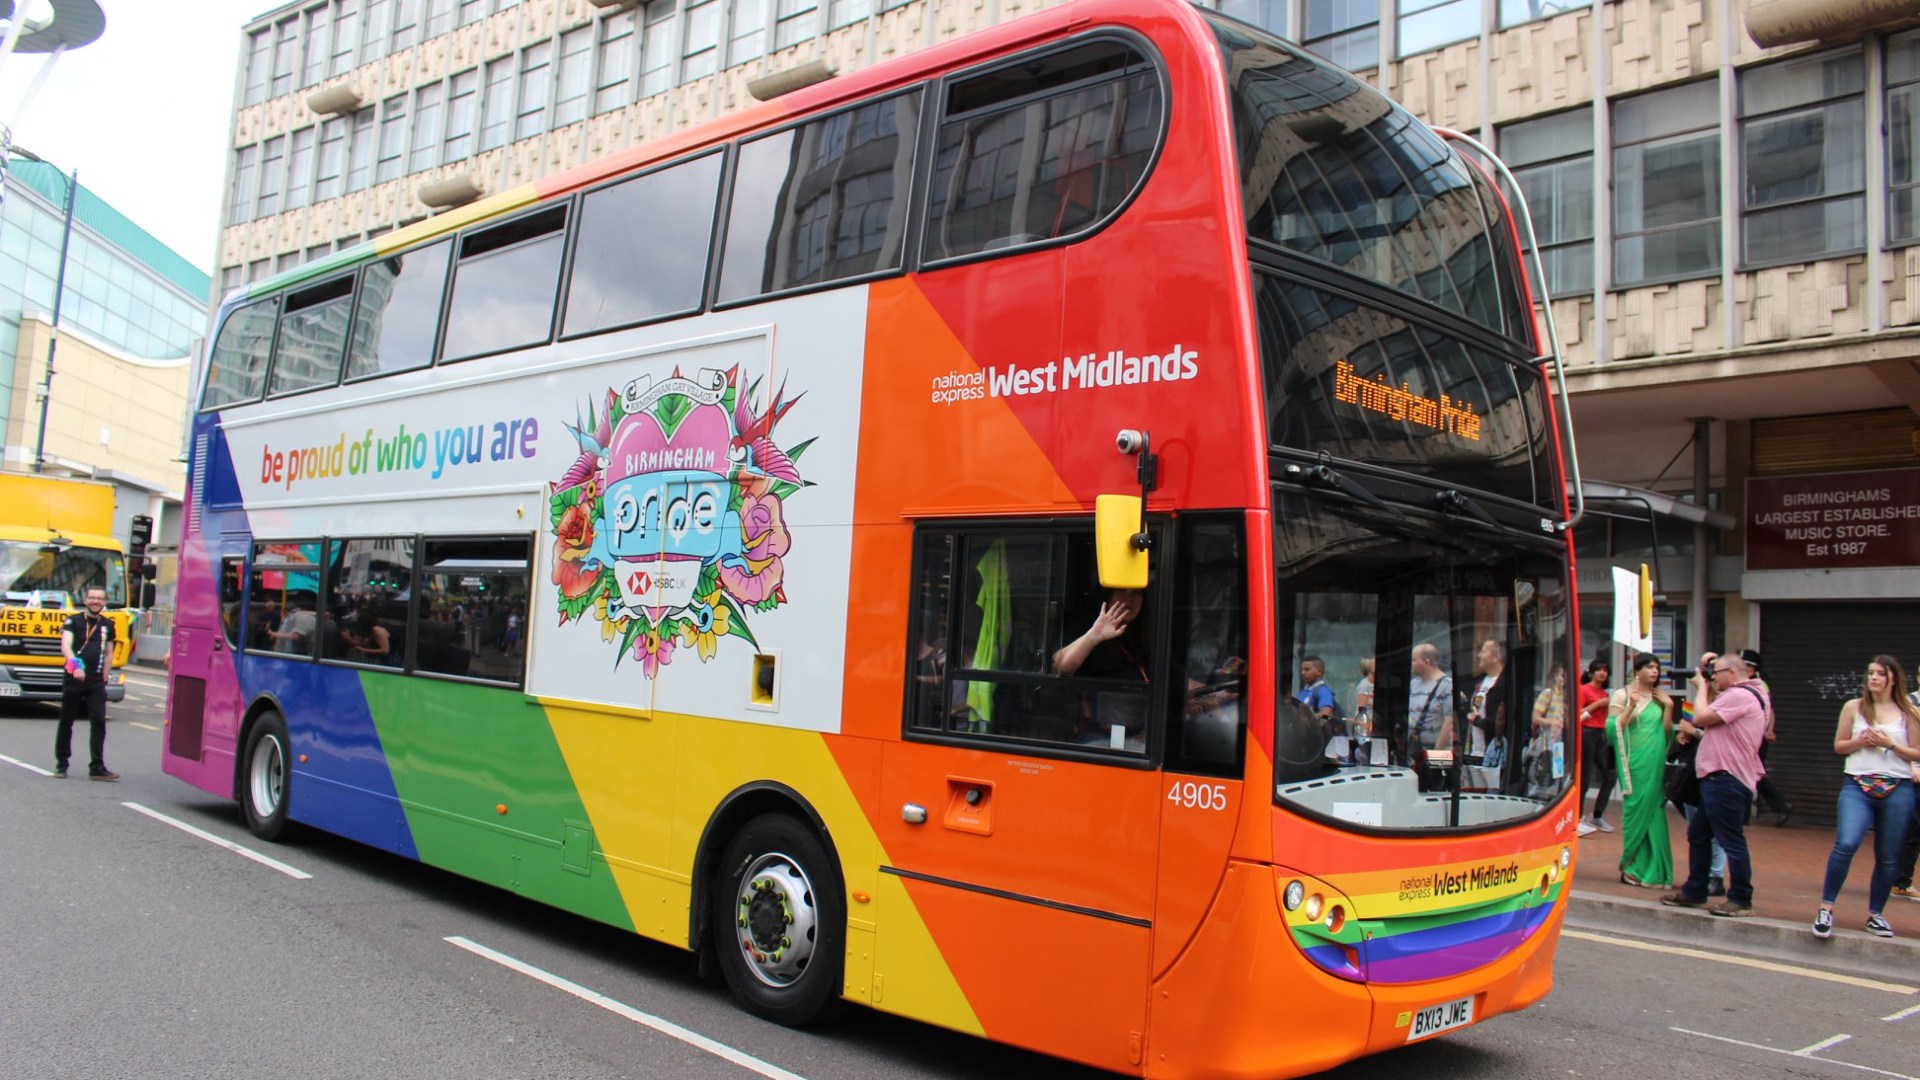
{"points": [[1879, 732]]}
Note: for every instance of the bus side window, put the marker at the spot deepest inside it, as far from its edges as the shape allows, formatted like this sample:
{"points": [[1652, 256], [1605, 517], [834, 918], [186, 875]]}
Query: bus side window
{"points": [[642, 247], [238, 370], [399, 313], [1096, 112], [1207, 735]]}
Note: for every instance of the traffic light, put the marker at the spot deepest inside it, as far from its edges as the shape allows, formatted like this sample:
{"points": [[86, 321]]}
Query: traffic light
{"points": [[139, 535]]}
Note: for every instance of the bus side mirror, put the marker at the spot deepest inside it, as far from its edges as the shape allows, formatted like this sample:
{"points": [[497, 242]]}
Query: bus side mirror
{"points": [[1116, 519]]}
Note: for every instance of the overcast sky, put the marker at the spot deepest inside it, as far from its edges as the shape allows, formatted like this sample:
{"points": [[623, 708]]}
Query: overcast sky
{"points": [[143, 113]]}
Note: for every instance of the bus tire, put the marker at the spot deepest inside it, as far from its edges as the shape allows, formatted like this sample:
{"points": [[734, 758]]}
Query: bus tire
{"points": [[264, 780], [780, 921]]}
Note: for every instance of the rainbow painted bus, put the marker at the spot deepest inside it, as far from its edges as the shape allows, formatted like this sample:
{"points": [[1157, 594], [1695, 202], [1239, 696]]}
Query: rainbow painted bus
{"points": [[692, 541]]}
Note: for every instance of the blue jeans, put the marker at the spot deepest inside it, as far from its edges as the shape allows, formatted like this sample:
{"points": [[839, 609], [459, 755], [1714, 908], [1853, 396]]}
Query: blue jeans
{"points": [[1888, 818], [1722, 818], [1719, 857]]}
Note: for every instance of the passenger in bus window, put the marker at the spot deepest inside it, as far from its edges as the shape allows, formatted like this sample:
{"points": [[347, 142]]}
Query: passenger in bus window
{"points": [[296, 626], [367, 640], [1429, 703], [1111, 649], [1488, 713], [1316, 695]]}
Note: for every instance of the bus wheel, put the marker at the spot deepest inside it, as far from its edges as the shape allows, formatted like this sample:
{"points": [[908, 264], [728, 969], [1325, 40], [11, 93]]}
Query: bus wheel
{"points": [[263, 790], [780, 921]]}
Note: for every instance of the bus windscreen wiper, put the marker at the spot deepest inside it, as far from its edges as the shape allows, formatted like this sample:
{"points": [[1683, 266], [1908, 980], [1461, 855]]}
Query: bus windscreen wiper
{"points": [[1451, 501], [1323, 475]]}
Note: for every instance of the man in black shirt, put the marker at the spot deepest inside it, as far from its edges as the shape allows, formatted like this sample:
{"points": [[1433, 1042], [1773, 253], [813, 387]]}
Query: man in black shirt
{"points": [[87, 638]]}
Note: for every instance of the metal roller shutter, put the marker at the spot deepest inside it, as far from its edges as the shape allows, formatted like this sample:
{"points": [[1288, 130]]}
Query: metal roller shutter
{"points": [[1815, 655]]}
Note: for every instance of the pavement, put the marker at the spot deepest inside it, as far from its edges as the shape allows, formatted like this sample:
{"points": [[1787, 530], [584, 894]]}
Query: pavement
{"points": [[1789, 867]]}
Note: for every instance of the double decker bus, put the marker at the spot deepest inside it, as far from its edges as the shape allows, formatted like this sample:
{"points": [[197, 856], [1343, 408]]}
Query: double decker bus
{"points": [[873, 540]]}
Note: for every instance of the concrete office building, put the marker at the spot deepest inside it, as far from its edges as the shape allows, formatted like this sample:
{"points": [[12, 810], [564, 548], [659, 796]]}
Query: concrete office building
{"points": [[1731, 233]]}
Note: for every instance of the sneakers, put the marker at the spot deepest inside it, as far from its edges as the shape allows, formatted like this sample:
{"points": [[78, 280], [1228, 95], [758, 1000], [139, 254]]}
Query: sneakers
{"points": [[103, 774], [1823, 924], [61, 774], [1681, 899], [1601, 824], [1587, 827], [1878, 926], [1727, 909], [1907, 891]]}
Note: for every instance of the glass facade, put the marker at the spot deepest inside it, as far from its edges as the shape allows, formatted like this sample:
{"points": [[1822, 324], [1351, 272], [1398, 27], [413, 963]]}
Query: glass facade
{"points": [[123, 288]]}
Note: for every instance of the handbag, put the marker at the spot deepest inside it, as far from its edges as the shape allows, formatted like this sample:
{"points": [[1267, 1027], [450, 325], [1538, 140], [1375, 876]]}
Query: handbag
{"points": [[1682, 786]]}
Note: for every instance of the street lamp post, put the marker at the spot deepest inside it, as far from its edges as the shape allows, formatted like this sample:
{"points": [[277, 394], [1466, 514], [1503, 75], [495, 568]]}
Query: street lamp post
{"points": [[53, 335]]}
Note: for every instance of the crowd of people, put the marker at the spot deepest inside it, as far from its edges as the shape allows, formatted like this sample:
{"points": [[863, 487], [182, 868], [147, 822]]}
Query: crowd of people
{"points": [[1704, 751]]}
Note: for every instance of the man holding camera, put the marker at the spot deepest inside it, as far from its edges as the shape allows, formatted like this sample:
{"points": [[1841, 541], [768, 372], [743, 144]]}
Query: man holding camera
{"points": [[1730, 716]]}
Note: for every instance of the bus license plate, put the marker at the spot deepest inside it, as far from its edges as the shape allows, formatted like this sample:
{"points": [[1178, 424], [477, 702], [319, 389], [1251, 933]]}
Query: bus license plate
{"points": [[1435, 1019]]}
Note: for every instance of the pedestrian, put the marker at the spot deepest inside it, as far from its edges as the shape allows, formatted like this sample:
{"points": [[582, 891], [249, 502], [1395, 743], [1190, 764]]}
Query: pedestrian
{"points": [[1639, 725], [1879, 732], [1769, 794], [1596, 756], [86, 643], [1730, 720]]}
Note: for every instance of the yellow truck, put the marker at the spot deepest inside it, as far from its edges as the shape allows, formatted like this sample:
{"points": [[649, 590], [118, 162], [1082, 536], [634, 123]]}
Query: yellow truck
{"points": [[56, 542]]}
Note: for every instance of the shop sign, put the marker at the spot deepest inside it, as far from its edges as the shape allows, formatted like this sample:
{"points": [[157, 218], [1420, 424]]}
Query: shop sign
{"points": [[1834, 520]]}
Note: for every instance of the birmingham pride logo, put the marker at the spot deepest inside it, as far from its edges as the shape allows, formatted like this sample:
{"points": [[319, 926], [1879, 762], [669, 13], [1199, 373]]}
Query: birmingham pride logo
{"points": [[669, 528]]}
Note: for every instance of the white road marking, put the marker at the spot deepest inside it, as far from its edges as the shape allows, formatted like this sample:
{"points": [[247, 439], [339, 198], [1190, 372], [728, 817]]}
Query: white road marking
{"points": [[263, 860], [24, 765], [138, 724], [1911, 1010], [1809, 1051], [1802, 1054], [1743, 961], [664, 1027]]}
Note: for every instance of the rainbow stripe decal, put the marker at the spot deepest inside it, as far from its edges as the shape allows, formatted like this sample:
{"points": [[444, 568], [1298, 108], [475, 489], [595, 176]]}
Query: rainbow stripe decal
{"points": [[1407, 925]]}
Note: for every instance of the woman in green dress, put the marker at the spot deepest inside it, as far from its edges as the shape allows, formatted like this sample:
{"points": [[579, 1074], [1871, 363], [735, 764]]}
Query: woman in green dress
{"points": [[1639, 724]]}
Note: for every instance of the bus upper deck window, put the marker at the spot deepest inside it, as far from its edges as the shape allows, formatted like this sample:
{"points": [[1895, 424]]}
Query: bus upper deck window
{"points": [[313, 334], [1096, 111], [238, 371], [504, 285], [399, 312]]}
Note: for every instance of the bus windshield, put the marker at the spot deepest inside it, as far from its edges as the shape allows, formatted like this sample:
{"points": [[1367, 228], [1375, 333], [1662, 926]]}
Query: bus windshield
{"points": [[1432, 658], [48, 575]]}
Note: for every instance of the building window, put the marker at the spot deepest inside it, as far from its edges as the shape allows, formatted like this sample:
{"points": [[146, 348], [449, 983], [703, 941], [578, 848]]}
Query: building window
{"points": [[1424, 25], [617, 60], [373, 33], [700, 55], [1903, 138], [1346, 32], [799, 20], [231, 278], [472, 11], [1515, 12], [1666, 185], [535, 71], [240, 199], [286, 55], [439, 18], [656, 56], [300, 168], [393, 139], [360, 149], [1803, 130], [1268, 15], [747, 33], [259, 63], [1552, 157], [576, 76], [406, 23], [331, 161], [463, 96], [319, 47], [497, 114], [427, 102], [273, 172], [346, 33], [847, 12]]}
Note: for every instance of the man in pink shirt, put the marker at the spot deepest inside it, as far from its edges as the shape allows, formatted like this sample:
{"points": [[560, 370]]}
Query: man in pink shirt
{"points": [[1730, 714]]}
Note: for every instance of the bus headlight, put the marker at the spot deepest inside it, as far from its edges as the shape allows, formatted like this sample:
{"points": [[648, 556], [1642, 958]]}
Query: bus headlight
{"points": [[1295, 893], [1566, 856], [1313, 907]]}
